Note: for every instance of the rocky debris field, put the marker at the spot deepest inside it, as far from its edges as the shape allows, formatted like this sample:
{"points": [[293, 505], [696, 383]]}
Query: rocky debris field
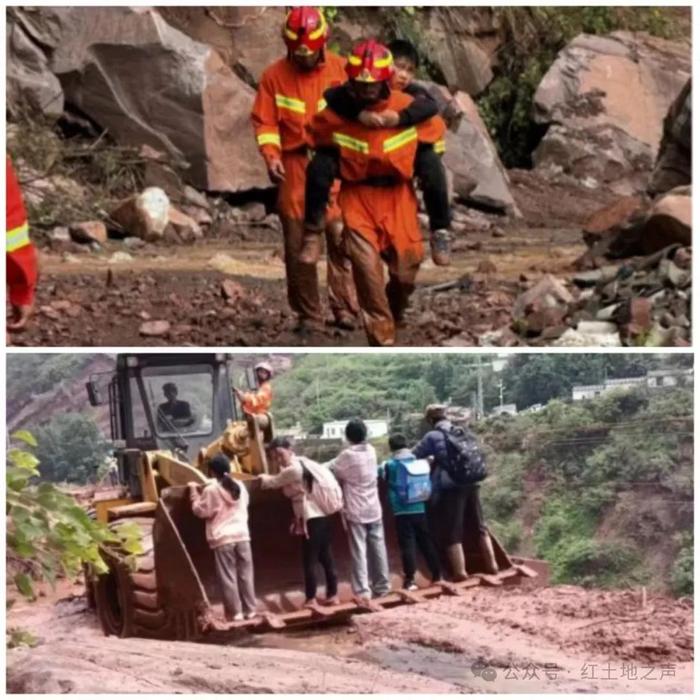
{"points": [[535, 640], [228, 288]]}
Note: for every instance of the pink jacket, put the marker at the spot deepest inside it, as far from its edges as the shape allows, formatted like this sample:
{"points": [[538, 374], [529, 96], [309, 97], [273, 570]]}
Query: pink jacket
{"points": [[227, 520], [290, 480]]}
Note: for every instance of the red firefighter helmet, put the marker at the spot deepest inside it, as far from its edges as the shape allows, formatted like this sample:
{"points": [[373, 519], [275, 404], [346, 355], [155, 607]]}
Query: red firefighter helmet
{"points": [[305, 30], [370, 62]]}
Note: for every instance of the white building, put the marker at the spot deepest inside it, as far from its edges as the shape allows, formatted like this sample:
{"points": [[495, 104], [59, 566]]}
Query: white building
{"points": [[509, 409], [655, 379], [335, 429]]}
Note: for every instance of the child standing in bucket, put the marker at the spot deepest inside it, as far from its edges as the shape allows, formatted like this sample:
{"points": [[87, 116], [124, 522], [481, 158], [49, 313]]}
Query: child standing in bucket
{"points": [[223, 503], [411, 521]]}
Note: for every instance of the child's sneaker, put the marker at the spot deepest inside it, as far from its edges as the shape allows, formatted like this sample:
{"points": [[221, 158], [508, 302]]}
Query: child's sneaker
{"points": [[251, 615], [238, 617], [440, 247], [410, 585]]}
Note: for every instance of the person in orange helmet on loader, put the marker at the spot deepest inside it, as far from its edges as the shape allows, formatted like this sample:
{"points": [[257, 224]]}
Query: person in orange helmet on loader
{"points": [[379, 206], [289, 95], [20, 253]]}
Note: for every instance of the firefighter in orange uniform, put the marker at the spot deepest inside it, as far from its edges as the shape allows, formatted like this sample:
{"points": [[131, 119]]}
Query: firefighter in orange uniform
{"points": [[257, 402], [20, 255], [289, 95], [379, 206]]}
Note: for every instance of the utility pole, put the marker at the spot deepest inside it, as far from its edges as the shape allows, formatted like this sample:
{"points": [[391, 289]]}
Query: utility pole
{"points": [[479, 391], [479, 403]]}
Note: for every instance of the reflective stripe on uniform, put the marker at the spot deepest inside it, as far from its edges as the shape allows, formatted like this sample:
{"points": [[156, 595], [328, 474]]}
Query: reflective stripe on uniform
{"points": [[290, 103], [349, 142], [321, 105], [400, 139], [439, 146], [17, 238], [269, 138]]}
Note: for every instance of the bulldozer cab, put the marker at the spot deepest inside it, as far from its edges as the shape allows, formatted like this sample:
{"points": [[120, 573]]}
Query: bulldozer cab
{"points": [[170, 402]]}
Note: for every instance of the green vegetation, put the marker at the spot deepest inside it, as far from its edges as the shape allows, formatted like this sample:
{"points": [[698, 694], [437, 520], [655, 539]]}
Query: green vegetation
{"points": [[35, 374], [70, 448], [332, 387], [48, 533], [58, 159], [597, 487]]}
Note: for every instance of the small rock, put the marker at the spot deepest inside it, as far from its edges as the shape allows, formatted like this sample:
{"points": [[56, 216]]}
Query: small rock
{"points": [[195, 197], [538, 320], [88, 232], [144, 316], [498, 232], [50, 312], [548, 292], [186, 228], [120, 257], [254, 211], [60, 234], [145, 215], [60, 305], [133, 243], [682, 258], [486, 267], [231, 290], [502, 338], [154, 328], [590, 334]]}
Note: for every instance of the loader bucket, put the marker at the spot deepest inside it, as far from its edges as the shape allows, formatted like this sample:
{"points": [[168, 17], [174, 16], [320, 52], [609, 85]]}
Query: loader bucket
{"points": [[187, 577]]}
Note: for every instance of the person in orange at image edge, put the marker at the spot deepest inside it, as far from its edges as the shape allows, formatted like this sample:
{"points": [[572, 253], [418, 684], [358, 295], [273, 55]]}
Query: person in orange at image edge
{"points": [[21, 255], [380, 210], [259, 401], [289, 95]]}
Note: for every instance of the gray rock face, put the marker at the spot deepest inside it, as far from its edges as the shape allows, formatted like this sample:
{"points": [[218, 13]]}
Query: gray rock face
{"points": [[472, 157], [605, 99], [150, 84], [31, 86]]}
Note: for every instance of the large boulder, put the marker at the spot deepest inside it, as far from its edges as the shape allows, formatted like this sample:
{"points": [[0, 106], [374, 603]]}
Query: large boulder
{"points": [[472, 157], [605, 99], [249, 38], [669, 221], [148, 83], [31, 87], [452, 35]]}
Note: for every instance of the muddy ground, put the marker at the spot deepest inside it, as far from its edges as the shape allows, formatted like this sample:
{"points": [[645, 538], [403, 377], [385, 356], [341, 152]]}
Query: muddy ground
{"points": [[90, 298], [541, 640]]}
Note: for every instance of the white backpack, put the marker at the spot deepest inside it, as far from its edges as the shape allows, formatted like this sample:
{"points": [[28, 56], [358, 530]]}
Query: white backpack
{"points": [[326, 490]]}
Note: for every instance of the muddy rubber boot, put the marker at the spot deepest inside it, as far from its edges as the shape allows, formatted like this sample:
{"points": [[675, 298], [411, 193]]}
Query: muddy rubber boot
{"points": [[345, 321], [455, 554], [310, 248], [487, 553], [440, 247]]}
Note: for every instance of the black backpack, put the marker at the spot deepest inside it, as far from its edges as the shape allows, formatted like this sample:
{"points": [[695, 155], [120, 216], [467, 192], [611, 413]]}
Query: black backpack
{"points": [[466, 463]]}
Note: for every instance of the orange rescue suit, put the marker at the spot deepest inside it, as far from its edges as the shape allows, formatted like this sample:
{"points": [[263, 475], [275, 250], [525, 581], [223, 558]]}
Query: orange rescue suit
{"points": [[385, 215], [20, 253], [286, 102], [257, 402]]}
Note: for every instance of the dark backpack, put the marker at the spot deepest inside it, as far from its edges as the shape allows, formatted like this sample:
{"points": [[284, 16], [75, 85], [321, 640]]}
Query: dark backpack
{"points": [[466, 463]]}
